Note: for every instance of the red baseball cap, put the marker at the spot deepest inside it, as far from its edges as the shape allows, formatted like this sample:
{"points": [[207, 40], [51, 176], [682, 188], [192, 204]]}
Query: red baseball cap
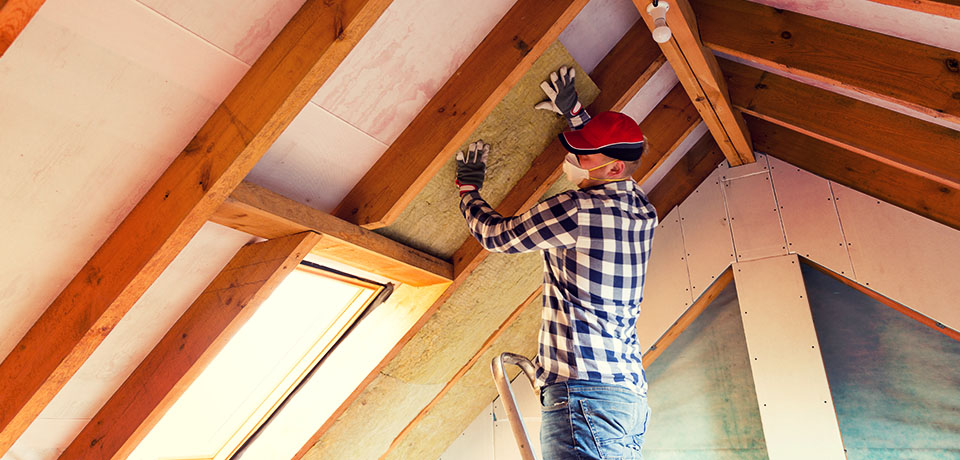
{"points": [[611, 133]]}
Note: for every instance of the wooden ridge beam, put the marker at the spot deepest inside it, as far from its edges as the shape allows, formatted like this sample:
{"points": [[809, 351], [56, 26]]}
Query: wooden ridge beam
{"points": [[626, 68], [665, 128], [921, 77], [899, 140], [186, 349], [686, 176], [223, 151], [700, 75], [267, 214], [912, 192], [911, 313], [688, 317], [945, 8], [14, 16], [465, 100]]}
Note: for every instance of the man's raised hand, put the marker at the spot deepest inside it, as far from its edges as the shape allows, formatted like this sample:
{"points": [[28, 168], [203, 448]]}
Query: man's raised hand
{"points": [[472, 166]]}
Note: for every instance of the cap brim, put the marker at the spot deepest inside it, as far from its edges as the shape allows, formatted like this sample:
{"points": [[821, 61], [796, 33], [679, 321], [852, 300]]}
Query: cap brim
{"points": [[576, 144]]}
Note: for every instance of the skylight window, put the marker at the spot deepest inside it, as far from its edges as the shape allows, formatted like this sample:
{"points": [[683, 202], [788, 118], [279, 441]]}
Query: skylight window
{"points": [[259, 366]]}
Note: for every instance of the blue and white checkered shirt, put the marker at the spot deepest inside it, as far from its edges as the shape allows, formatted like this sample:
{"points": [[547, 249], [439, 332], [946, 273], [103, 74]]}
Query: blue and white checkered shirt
{"points": [[595, 243]]}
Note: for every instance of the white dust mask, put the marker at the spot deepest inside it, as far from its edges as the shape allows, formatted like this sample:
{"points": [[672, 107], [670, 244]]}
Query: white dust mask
{"points": [[576, 174]]}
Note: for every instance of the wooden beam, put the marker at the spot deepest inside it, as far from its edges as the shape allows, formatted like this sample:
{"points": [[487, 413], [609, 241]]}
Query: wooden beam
{"points": [[688, 317], [264, 213], [686, 176], [917, 146], [922, 77], [697, 69], [224, 150], [14, 16], [665, 128], [186, 349], [535, 296], [912, 192], [913, 314], [626, 68], [465, 100], [946, 8]]}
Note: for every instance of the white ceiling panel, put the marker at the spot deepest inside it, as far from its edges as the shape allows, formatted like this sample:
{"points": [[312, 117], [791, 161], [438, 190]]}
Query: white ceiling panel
{"points": [[404, 59], [598, 27], [650, 95], [96, 104], [317, 160], [243, 29]]}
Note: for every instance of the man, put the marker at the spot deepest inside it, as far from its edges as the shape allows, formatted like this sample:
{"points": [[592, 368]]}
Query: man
{"points": [[595, 243]]}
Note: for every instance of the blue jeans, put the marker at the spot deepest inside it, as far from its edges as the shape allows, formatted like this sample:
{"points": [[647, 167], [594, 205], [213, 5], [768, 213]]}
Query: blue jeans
{"points": [[588, 420]]}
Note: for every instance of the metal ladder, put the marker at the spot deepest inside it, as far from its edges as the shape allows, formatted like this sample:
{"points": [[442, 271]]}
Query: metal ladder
{"points": [[509, 403]]}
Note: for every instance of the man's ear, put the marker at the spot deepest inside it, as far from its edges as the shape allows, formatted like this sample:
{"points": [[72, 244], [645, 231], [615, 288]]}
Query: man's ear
{"points": [[617, 168]]}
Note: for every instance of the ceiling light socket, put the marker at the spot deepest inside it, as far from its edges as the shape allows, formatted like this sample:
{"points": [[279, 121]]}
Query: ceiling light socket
{"points": [[661, 32]]}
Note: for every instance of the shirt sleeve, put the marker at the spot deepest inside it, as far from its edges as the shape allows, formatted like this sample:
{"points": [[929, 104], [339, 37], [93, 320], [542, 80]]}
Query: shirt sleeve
{"points": [[549, 224]]}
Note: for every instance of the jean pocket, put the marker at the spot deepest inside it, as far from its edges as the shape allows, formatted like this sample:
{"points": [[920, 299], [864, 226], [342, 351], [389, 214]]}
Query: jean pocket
{"points": [[616, 427]]}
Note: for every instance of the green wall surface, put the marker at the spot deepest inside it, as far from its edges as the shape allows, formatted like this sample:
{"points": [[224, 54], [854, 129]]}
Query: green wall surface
{"points": [[895, 382], [701, 392]]}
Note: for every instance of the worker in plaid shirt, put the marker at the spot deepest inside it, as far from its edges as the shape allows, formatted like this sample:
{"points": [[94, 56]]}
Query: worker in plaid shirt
{"points": [[596, 243]]}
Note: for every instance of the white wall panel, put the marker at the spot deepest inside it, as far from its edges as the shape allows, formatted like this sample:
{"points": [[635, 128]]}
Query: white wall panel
{"points": [[666, 289], [476, 442], [95, 105], [809, 215], [728, 173], [796, 407], [706, 234], [754, 217], [317, 160], [403, 60], [901, 255], [135, 335]]}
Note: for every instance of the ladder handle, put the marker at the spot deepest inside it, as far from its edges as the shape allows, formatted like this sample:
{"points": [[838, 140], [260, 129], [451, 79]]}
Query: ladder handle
{"points": [[509, 403]]}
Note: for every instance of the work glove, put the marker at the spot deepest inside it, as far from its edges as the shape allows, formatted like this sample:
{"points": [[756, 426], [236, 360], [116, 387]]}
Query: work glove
{"points": [[471, 167], [562, 97]]}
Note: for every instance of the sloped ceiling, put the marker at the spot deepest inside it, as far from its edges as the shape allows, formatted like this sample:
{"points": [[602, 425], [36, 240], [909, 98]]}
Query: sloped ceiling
{"points": [[101, 97]]}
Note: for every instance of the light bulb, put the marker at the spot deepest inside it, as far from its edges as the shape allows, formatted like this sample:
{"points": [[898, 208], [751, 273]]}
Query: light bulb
{"points": [[661, 32]]}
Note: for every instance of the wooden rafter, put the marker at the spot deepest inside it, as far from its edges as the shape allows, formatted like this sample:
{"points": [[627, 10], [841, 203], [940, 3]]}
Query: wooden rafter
{"points": [[625, 69], [14, 16], [466, 99], [945, 8], [922, 77], [182, 354], [901, 141], [261, 212], [697, 69], [913, 314], [224, 150], [674, 118], [688, 317], [912, 192], [686, 175]]}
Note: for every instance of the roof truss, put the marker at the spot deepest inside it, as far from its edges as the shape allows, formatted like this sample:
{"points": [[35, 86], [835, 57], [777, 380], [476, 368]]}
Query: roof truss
{"points": [[14, 16]]}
